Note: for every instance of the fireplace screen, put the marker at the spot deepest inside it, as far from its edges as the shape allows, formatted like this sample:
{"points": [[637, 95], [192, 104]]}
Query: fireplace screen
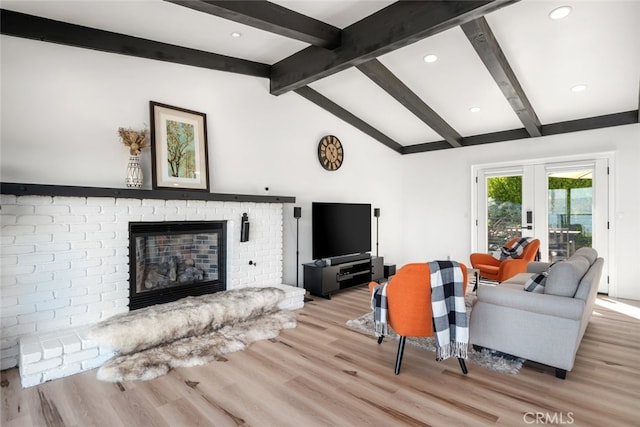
{"points": [[172, 260]]}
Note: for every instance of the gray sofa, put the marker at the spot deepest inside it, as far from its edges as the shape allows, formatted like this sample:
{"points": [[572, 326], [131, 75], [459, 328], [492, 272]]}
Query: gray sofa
{"points": [[545, 326]]}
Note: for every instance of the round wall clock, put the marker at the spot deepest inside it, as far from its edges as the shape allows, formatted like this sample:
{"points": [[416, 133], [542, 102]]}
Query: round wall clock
{"points": [[330, 153]]}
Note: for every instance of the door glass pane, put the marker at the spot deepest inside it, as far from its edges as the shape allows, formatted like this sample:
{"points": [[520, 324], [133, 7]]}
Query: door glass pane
{"points": [[570, 212], [504, 210]]}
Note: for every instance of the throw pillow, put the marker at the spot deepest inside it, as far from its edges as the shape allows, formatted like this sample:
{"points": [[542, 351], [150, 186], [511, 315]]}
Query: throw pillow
{"points": [[565, 276], [536, 282]]}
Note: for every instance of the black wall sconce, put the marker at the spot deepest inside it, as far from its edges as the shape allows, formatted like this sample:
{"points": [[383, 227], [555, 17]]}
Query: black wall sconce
{"points": [[244, 228]]}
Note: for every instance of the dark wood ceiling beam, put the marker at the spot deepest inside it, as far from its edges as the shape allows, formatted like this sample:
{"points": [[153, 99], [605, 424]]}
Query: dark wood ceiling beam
{"points": [[398, 25], [597, 122], [48, 30], [500, 136], [487, 138], [484, 42], [590, 123], [388, 81], [270, 17], [333, 108], [426, 147]]}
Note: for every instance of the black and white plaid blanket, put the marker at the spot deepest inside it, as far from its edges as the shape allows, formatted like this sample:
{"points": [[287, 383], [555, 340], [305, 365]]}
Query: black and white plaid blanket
{"points": [[379, 306], [450, 323], [514, 251], [536, 283]]}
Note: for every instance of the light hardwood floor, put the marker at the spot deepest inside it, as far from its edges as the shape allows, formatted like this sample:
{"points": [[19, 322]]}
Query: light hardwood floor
{"points": [[324, 374]]}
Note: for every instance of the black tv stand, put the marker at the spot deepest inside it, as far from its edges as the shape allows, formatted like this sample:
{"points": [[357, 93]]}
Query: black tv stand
{"points": [[323, 280]]}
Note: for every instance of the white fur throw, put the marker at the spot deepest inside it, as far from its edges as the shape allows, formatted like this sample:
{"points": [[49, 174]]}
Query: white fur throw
{"points": [[195, 350], [163, 323]]}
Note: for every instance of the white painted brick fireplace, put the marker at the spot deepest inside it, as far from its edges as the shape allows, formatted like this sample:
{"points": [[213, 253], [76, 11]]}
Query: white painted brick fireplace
{"points": [[65, 267]]}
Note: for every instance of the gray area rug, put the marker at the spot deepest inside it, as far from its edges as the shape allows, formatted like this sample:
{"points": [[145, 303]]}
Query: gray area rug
{"points": [[490, 359]]}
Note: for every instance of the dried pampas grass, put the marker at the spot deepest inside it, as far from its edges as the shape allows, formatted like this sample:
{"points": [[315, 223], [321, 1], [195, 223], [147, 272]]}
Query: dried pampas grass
{"points": [[135, 140]]}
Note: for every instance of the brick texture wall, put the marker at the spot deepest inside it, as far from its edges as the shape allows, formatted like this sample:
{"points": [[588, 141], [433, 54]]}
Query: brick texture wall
{"points": [[64, 260]]}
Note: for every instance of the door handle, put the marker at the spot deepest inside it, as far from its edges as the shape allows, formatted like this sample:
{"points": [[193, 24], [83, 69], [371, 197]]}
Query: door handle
{"points": [[529, 225]]}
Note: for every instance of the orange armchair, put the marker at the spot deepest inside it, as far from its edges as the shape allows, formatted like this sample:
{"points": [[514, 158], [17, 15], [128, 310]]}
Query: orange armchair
{"points": [[409, 305], [494, 269]]}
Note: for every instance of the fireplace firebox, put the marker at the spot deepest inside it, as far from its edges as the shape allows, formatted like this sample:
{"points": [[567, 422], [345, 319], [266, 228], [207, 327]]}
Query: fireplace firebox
{"points": [[174, 259]]}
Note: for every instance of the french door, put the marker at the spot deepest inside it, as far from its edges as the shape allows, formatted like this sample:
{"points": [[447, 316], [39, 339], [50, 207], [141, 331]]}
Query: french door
{"points": [[563, 204]]}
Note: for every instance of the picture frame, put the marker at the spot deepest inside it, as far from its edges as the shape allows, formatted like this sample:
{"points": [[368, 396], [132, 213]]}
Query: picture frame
{"points": [[179, 148]]}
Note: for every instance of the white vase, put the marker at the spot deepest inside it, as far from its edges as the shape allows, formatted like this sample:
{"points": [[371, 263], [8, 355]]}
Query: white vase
{"points": [[134, 173]]}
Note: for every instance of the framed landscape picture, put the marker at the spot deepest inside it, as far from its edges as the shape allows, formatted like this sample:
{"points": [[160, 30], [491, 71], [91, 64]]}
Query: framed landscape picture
{"points": [[178, 148]]}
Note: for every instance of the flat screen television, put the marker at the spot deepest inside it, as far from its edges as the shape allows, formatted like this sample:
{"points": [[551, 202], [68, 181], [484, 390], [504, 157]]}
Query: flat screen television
{"points": [[340, 229]]}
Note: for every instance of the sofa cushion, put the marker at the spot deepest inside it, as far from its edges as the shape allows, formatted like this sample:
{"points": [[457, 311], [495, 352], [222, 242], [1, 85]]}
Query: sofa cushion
{"points": [[589, 253], [536, 283], [517, 281], [564, 277]]}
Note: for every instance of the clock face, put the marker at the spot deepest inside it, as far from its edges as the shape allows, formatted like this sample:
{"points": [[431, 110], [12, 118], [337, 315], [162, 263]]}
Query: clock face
{"points": [[330, 153]]}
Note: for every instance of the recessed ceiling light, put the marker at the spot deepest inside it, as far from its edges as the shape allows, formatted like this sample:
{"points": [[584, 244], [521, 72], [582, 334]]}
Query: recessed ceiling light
{"points": [[236, 34], [560, 12], [474, 109], [578, 88], [430, 58]]}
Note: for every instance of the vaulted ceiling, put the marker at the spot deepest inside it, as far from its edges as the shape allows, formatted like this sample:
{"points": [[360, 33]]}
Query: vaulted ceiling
{"points": [[504, 70]]}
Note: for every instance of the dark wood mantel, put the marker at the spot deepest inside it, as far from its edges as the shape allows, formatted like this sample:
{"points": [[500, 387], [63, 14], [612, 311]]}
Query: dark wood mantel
{"points": [[19, 189]]}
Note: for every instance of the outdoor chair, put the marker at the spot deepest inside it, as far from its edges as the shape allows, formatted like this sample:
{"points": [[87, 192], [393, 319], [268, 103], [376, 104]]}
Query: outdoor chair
{"points": [[494, 269]]}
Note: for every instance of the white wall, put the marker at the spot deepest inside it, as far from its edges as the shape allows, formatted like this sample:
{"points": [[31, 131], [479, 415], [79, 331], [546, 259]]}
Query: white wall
{"points": [[62, 106], [437, 196]]}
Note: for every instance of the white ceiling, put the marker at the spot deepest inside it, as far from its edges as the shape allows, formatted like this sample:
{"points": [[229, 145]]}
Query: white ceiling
{"points": [[598, 44]]}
